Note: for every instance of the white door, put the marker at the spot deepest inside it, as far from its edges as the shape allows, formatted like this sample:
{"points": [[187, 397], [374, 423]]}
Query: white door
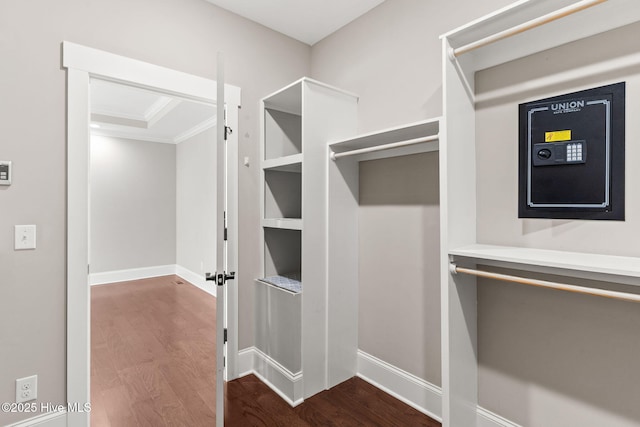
{"points": [[226, 241]]}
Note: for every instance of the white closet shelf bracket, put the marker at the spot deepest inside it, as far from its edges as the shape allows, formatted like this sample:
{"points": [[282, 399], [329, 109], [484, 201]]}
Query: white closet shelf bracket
{"points": [[624, 296], [545, 19], [335, 156]]}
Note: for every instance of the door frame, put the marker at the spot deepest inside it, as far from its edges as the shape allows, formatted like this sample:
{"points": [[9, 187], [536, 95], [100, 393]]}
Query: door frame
{"points": [[82, 64]]}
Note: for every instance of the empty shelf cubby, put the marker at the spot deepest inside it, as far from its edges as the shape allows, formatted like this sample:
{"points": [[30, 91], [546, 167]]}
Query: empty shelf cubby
{"points": [[282, 194], [282, 252], [282, 134]]}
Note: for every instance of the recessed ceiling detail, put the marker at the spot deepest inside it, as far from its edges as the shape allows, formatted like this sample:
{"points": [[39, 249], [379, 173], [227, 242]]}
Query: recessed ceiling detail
{"points": [[127, 112], [306, 20]]}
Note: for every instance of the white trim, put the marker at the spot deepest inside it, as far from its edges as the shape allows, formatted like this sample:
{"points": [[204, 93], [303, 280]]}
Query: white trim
{"points": [[117, 276], [414, 391], [160, 106], [112, 67], [487, 418], [50, 419], [131, 274], [282, 381], [196, 280], [197, 129], [78, 304], [245, 362]]}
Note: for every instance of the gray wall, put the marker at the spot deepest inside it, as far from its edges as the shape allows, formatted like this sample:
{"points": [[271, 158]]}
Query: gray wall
{"points": [[132, 209], [390, 57], [546, 358], [196, 203], [180, 34], [399, 253]]}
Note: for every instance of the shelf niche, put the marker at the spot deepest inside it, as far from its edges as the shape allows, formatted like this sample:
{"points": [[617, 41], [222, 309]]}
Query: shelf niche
{"points": [[282, 194], [282, 252]]}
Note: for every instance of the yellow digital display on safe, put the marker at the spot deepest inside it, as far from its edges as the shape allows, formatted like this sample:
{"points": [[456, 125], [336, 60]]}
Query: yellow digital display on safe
{"points": [[557, 136]]}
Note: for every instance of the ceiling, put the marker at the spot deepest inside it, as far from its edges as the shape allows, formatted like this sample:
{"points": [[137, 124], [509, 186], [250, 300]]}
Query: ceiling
{"points": [[123, 111], [306, 20]]}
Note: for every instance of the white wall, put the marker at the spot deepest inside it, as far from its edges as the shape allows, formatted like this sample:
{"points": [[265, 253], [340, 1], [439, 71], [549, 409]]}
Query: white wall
{"points": [[196, 203], [132, 212], [180, 34]]}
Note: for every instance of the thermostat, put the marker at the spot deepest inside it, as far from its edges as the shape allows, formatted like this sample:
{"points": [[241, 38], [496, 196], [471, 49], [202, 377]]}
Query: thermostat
{"points": [[5, 172]]}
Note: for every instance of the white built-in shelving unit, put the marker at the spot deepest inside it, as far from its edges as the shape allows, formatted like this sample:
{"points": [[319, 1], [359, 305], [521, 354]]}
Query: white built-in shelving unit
{"points": [[521, 29], [419, 137], [293, 327]]}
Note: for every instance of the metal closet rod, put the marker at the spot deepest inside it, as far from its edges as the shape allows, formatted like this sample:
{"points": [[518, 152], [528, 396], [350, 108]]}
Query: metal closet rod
{"points": [[624, 296], [335, 156], [545, 19]]}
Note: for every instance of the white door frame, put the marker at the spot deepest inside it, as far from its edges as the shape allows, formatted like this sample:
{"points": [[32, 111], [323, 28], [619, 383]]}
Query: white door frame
{"points": [[82, 64]]}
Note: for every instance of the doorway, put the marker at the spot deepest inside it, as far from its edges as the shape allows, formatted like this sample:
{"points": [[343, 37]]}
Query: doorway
{"points": [[84, 64], [152, 240]]}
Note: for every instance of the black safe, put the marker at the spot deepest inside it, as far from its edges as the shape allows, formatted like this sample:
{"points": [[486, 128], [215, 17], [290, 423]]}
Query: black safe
{"points": [[571, 156]]}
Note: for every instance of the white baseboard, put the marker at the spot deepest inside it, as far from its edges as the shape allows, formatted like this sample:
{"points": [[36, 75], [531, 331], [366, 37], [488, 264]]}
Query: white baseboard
{"points": [[195, 279], [52, 419], [148, 272], [131, 274], [245, 362], [285, 383], [406, 387], [414, 391], [487, 418]]}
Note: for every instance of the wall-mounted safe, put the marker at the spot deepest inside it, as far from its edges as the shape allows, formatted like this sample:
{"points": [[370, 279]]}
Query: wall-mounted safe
{"points": [[571, 157]]}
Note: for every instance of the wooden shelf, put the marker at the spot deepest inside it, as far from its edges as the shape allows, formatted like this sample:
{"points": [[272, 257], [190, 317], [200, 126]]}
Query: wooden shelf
{"points": [[570, 28], [383, 137], [291, 163], [283, 223], [610, 268]]}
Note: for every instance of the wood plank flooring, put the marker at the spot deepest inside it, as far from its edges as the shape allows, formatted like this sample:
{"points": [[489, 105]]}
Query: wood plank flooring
{"points": [[153, 364]]}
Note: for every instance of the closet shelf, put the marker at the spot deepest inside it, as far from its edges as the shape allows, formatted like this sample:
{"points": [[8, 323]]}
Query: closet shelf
{"points": [[551, 34], [296, 290], [379, 140], [291, 163], [610, 268], [283, 223]]}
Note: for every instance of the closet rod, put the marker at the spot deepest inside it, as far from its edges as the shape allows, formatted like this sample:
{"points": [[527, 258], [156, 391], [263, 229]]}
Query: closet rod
{"points": [[335, 156], [546, 284], [545, 19]]}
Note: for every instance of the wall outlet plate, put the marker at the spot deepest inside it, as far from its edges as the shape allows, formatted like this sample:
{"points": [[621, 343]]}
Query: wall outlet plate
{"points": [[26, 389], [25, 237]]}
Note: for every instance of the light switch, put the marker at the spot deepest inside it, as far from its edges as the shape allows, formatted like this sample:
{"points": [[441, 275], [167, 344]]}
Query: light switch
{"points": [[25, 237]]}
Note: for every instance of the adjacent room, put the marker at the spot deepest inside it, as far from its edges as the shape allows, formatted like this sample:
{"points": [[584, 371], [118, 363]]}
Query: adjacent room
{"points": [[285, 213], [152, 216]]}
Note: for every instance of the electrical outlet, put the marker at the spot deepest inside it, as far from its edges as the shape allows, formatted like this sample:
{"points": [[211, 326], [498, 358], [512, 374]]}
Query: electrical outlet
{"points": [[26, 389]]}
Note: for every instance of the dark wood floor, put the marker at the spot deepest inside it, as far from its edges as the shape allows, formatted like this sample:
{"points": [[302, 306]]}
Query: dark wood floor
{"points": [[352, 403], [153, 364]]}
